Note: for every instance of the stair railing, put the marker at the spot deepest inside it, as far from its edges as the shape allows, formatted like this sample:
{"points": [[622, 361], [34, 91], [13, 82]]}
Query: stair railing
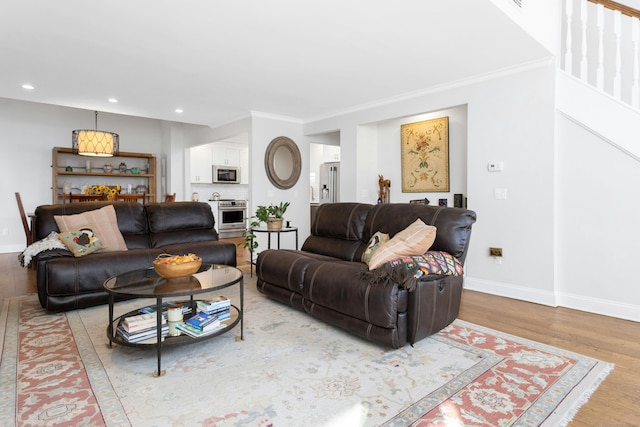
{"points": [[601, 47]]}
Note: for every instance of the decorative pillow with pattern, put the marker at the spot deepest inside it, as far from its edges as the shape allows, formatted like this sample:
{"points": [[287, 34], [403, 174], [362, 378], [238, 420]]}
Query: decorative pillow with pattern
{"points": [[102, 221], [377, 240], [81, 242]]}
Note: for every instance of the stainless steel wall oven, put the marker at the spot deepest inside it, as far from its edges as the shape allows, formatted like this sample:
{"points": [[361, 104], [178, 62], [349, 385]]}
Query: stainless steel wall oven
{"points": [[232, 217]]}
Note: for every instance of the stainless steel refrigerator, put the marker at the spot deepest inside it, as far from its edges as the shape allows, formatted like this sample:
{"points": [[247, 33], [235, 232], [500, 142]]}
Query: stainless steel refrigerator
{"points": [[330, 182]]}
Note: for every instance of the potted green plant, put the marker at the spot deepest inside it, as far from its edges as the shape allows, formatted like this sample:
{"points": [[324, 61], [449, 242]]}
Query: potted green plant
{"points": [[271, 215], [275, 215]]}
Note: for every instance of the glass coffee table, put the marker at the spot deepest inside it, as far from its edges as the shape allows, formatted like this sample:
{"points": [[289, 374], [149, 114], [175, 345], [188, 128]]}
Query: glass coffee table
{"points": [[146, 283]]}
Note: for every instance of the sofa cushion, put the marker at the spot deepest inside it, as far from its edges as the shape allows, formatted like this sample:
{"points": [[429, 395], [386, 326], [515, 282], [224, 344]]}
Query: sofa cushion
{"points": [[416, 239], [337, 285], [181, 222], [102, 221], [81, 242], [340, 220]]}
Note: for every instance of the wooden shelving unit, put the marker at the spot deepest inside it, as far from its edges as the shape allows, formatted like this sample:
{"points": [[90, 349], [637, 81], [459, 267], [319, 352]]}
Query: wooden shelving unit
{"points": [[64, 159]]}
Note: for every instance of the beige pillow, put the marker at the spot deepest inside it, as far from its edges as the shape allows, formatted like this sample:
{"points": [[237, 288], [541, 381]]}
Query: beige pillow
{"points": [[102, 221], [414, 240]]}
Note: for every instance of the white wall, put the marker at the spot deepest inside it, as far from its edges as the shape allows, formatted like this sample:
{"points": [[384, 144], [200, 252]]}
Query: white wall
{"points": [[535, 18], [597, 224], [264, 128]]}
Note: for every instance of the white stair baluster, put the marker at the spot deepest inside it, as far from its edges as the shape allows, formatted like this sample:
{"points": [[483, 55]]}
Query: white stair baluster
{"points": [[600, 70], [635, 39], [617, 79], [568, 55], [583, 60]]}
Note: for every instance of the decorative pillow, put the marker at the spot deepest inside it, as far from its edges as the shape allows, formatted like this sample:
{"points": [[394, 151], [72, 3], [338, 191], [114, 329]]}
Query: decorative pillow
{"points": [[102, 221], [375, 242], [416, 239], [81, 242]]}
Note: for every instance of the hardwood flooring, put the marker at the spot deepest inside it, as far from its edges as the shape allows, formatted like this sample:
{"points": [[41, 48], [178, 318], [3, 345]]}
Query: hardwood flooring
{"points": [[616, 403]]}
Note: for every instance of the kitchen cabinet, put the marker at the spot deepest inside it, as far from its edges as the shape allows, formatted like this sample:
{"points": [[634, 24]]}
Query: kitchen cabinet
{"points": [[201, 171], [225, 155], [138, 172]]}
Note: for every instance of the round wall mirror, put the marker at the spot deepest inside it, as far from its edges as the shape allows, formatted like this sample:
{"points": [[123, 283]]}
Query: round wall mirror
{"points": [[282, 162]]}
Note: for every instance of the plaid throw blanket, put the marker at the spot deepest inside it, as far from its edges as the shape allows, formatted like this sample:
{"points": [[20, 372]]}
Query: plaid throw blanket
{"points": [[408, 270]]}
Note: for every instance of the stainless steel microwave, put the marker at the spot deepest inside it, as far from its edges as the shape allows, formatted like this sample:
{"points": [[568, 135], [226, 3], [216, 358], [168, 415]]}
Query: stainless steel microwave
{"points": [[226, 174]]}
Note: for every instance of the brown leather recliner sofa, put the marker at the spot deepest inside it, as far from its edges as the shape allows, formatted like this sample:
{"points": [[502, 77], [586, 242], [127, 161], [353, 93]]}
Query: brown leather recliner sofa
{"points": [[66, 282], [324, 278]]}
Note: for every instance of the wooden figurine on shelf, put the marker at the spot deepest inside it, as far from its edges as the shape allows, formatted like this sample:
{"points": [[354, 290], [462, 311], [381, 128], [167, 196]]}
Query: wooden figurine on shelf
{"points": [[384, 189]]}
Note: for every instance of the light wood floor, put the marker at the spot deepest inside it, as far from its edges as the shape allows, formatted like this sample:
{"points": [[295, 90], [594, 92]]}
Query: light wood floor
{"points": [[615, 403]]}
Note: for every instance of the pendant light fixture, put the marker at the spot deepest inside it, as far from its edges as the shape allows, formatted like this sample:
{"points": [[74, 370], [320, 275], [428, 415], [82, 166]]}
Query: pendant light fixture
{"points": [[96, 143]]}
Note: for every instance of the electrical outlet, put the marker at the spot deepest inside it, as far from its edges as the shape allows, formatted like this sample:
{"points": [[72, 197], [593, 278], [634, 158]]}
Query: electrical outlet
{"points": [[497, 252]]}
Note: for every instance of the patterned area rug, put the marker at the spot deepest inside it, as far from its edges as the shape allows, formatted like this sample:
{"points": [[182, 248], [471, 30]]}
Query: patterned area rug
{"points": [[57, 369]]}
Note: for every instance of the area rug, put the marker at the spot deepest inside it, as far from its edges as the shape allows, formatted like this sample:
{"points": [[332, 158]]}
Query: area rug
{"points": [[290, 370]]}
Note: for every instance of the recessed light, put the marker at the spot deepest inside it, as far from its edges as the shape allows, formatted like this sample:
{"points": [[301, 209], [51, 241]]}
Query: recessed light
{"points": [[27, 86], [179, 110], [113, 100]]}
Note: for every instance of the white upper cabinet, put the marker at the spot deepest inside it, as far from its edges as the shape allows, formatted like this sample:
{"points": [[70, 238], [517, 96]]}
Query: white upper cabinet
{"points": [[201, 171], [226, 155]]}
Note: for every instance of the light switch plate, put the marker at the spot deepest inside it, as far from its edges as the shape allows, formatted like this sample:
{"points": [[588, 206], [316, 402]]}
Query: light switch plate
{"points": [[495, 166], [501, 193]]}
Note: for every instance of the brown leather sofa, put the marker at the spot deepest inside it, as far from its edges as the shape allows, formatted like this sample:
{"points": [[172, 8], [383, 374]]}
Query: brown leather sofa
{"points": [[324, 278], [65, 282]]}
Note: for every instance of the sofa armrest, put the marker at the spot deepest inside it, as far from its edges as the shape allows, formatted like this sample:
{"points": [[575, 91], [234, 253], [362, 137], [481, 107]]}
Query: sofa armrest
{"points": [[433, 305]]}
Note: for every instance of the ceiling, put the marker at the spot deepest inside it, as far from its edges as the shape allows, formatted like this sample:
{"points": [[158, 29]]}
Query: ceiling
{"points": [[219, 61]]}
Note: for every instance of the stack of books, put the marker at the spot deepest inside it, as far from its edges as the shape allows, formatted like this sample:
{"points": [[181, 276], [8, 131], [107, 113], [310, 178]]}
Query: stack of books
{"points": [[201, 324], [219, 306], [141, 328]]}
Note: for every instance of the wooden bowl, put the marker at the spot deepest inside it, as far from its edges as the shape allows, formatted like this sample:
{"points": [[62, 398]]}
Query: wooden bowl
{"points": [[176, 271]]}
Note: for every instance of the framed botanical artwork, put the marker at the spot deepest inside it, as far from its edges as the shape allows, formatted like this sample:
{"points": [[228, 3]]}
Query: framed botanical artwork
{"points": [[425, 156]]}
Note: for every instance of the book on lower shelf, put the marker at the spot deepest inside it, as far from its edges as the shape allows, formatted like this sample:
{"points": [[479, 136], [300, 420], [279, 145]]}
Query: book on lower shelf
{"points": [[148, 334], [140, 322], [195, 333], [203, 321]]}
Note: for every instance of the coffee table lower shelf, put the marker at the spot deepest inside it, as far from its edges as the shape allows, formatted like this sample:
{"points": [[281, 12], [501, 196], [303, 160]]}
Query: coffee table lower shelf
{"points": [[170, 340]]}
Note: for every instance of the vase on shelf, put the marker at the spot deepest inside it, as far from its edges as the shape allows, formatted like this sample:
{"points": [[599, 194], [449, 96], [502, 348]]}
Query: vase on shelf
{"points": [[107, 168], [123, 167]]}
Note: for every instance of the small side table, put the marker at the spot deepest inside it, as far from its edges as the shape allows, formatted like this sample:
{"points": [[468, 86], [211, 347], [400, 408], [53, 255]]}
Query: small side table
{"points": [[269, 233]]}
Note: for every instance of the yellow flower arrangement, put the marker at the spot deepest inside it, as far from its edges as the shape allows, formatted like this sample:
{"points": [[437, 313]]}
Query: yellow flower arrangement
{"points": [[109, 191]]}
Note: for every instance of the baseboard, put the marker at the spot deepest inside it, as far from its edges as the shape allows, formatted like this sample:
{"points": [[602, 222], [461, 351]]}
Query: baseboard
{"points": [[510, 291], [554, 299], [7, 249], [615, 309]]}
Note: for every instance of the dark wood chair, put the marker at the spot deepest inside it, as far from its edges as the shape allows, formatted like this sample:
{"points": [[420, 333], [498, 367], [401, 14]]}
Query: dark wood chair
{"points": [[170, 197], [25, 223], [78, 198], [139, 197]]}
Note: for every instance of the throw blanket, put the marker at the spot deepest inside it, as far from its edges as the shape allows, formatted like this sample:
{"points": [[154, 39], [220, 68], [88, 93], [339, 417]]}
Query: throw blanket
{"points": [[408, 270], [50, 242]]}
